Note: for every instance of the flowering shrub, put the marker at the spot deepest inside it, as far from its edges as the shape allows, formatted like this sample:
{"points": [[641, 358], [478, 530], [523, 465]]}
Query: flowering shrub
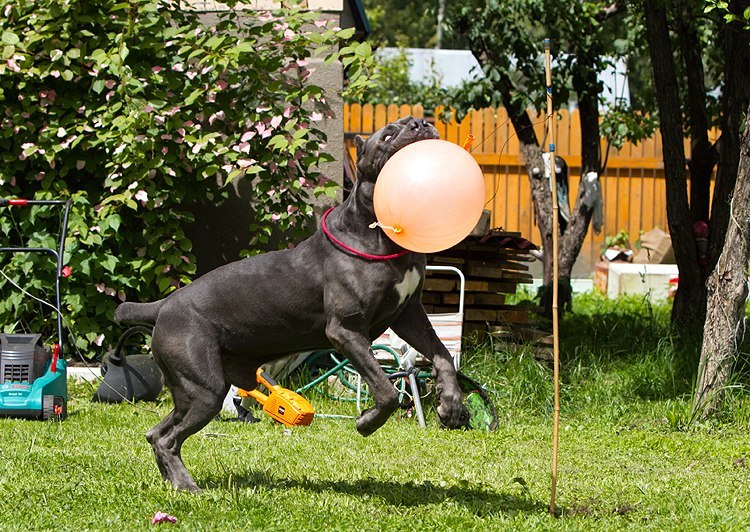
{"points": [[134, 111]]}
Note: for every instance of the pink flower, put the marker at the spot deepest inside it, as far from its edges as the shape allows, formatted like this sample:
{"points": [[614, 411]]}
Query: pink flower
{"points": [[141, 196], [13, 65], [110, 83], [178, 67], [219, 115], [275, 121], [156, 69], [316, 117], [244, 163], [275, 217], [161, 517]]}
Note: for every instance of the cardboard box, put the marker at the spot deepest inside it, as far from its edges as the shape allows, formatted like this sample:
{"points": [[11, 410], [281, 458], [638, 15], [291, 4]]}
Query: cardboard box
{"points": [[656, 248]]}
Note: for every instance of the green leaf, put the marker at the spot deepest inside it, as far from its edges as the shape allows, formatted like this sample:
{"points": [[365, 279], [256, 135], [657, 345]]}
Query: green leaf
{"points": [[10, 38], [193, 96], [245, 46]]}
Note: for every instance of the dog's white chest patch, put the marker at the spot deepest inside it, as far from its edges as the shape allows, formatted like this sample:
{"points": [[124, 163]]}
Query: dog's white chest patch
{"points": [[408, 286]]}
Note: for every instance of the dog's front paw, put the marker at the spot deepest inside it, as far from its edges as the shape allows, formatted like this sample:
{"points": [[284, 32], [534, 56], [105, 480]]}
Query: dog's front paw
{"points": [[367, 422], [452, 413]]}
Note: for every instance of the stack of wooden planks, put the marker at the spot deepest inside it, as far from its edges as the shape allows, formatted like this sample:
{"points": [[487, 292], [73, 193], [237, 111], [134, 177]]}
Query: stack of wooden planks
{"points": [[493, 265]]}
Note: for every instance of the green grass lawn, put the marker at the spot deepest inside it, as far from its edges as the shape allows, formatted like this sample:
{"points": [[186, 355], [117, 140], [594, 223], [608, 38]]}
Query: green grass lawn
{"points": [[628, 455]]}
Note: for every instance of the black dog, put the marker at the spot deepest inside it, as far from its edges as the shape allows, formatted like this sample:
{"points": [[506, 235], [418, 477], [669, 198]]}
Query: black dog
{"points": [[218, 330]]}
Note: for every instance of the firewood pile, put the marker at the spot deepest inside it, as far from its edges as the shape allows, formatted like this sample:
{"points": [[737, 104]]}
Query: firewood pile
{"points": [[493, 265]]}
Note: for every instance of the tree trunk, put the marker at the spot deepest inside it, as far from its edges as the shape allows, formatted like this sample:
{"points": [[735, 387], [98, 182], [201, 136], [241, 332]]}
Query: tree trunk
{"points": [[727, 297], [702, 154], [585, 83], [689, 307], [734, 102], [531, 154]]}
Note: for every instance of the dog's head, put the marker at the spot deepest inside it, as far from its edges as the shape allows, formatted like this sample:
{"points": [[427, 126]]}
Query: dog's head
{"points": [[373, 153]]}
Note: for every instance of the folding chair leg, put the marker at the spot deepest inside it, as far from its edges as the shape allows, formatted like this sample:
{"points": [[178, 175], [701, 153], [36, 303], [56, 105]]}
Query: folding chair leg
{"points": [[417, 400]]}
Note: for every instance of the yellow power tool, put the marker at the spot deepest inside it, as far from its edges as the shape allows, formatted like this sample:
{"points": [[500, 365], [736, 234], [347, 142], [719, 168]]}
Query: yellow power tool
{"points": [[283, 405]]}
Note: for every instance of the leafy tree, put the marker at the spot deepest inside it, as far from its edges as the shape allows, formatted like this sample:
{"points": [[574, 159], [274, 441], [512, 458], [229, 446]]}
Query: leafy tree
{"points": [[506, 38], [391, 84], [135, 111], [403, 24]]}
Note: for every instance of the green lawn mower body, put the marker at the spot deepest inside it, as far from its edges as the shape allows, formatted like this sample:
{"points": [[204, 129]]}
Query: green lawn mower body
{"points": [[33, 381]]}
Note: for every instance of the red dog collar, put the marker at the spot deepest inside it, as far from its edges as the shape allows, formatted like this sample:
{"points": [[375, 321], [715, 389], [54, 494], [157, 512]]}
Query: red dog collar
{"points": [[353, 251]]}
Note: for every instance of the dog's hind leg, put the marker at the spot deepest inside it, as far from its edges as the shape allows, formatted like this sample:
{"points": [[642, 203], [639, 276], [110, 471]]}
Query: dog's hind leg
{"points": [[195, 407], [356, 347], [414, 327], [193, 372]]}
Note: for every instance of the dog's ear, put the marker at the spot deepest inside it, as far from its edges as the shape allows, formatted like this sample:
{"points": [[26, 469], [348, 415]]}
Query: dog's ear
{"points": [[360, 142]]}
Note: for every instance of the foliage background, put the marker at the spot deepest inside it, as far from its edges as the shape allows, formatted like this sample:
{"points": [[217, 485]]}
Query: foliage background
{"points": [[135, 111]]}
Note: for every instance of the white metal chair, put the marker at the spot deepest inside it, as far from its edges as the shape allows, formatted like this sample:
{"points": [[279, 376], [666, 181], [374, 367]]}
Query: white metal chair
{"points": [[449, 328]]}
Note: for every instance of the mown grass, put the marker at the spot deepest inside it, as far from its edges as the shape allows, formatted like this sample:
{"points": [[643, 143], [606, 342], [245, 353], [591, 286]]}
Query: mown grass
{"points": [[628, 457]]}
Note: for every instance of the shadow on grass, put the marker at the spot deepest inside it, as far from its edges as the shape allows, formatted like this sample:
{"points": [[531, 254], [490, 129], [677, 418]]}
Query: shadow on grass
{"points": [[476, 499]]}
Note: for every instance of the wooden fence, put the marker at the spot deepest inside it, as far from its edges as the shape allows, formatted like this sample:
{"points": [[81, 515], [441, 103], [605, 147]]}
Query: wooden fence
{"points": [[633, 184]]}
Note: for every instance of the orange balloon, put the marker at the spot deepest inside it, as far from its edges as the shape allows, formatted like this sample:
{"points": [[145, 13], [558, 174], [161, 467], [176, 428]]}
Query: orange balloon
{"points": [[429, 196]]}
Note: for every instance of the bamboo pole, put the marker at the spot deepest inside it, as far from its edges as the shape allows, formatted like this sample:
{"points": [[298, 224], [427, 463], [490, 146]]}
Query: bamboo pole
{"points": [[555, 261]]}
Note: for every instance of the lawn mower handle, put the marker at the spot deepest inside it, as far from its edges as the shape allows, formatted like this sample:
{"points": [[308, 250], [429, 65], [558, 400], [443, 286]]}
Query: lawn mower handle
{"points": [[57, 254], [19, 202]]}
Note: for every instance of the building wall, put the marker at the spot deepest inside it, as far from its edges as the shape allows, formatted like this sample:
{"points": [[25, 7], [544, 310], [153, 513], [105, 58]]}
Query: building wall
{"points": [[219, 234]]}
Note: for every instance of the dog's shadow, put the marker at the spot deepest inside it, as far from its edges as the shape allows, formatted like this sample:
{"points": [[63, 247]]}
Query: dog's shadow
{"points": [[474, 498]]}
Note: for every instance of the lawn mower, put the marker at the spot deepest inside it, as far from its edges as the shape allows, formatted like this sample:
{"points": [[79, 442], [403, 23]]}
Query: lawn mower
{"points": [[33, 378]]}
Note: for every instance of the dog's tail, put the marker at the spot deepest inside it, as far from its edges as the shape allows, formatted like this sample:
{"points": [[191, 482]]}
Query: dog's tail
{"points": [[138, 313]]}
